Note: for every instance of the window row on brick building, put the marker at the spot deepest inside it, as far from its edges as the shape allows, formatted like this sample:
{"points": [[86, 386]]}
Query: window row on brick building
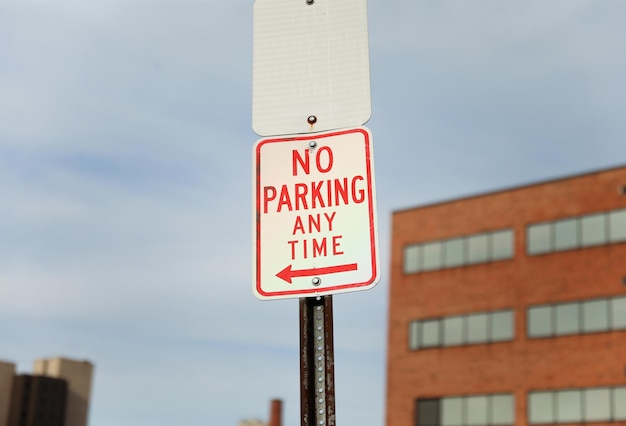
{"points": [[474, 410], [459, 330], [551, 320], [577, 232], [598, 404], [586, 405], [460, 251], [546, 237], [580, 317]]}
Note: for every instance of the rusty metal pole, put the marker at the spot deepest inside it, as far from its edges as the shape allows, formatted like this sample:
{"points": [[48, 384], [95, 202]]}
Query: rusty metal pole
{"points": [[317, 362]]}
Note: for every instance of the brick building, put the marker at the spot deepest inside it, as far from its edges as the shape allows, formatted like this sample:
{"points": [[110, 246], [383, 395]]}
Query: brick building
{"points": [[509, 308]]}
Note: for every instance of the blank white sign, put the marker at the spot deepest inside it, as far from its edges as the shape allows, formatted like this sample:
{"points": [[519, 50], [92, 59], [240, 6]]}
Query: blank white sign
{"points": [[310, 59]]}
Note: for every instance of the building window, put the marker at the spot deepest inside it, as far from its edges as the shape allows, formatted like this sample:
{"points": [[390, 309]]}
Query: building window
{"points": [[501, 326], [540, 322], [452, 410], [477, 412], [430, 335], [593, 230], [502, 245], [595, 315], [472, 410], [618, 403], [427, 412], [453, 332], [567, 319], [414, 333], [539, 238], [541, 407], [459, 330], [576, 232], [577, 405], [502, 409], [432, 256], [566, 234], [569, 407], [460, 251], [412, 258], [597, 406], [477, 249], [588, 316], [454, 252], [617, 226], [618, 313], [477, 328]]}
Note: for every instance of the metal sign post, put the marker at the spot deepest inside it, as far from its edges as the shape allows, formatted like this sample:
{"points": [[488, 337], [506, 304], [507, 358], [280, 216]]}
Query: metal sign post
{"points": [[317, 362], [314, 220]]}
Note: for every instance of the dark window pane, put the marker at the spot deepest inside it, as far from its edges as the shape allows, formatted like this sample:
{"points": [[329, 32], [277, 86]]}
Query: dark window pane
{"points": [[477, 328], [453, 331], [539, 238], [502, 245], [593, 230], [427, 412], [597, 405], [452, 412], [412, 259], [501, 326], [477, 248], [566, 234], [432, 256], [541, 407], [569, 406], [540, 321], [567, 319], [454, 252], [618, 313], [595, 315], [617, 226], [430, 334]]}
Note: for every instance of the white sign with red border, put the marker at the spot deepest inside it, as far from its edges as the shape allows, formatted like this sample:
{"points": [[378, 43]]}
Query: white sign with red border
{"points": [[314, 219]]}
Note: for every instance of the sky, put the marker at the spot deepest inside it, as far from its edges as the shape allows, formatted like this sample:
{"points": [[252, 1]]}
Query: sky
{"points": [[126, 182]]}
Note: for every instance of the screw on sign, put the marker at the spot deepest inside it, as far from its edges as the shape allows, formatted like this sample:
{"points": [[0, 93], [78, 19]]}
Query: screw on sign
{"points": [[315, 218]]}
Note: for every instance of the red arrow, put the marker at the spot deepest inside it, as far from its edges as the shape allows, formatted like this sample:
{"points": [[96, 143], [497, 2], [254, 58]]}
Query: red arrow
{"points": [[287, 274]]}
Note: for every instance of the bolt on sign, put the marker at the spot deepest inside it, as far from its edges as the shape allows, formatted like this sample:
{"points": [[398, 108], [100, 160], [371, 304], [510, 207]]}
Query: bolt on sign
{"points": [[314, 215], [310, 58]]}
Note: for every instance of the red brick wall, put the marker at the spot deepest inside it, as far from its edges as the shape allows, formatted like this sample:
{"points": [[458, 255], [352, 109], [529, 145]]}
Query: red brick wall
{"points": [[521, 365]]}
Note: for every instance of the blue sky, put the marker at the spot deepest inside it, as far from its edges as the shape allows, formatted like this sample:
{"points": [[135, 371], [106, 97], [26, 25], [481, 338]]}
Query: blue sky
{"points": [[126, 190]]}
